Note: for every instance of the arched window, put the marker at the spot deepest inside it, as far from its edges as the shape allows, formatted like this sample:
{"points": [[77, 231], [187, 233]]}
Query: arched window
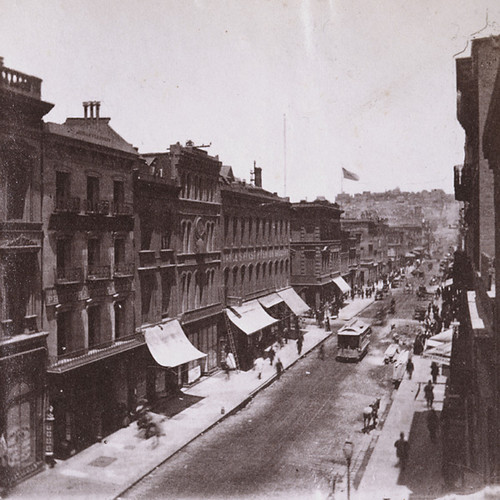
{"points": [[234, 288], [264, 273], [243, 284], [257, 274], [188, 186], [196, 297], [188, 237], [282, 276], [251, 236], [276, 276], [183, 292], [189, 295], [257, 230], [235, 229], [250, 277]]}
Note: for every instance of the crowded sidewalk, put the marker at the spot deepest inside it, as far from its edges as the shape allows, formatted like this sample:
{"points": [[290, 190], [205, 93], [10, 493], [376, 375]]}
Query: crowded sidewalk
{"points": [[108, 468]]}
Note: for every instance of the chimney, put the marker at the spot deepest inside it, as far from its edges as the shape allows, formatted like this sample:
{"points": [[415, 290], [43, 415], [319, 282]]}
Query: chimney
{"points": [[85, 109], [91, 109], [1, 62], [257, 171], [97, 106]]}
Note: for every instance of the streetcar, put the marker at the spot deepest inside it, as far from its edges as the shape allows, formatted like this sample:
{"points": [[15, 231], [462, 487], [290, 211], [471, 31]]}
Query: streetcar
{"points": [[353, 341]]}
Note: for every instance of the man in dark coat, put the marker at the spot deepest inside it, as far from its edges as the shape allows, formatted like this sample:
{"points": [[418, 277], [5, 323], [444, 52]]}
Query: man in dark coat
{"points": [[429, 394], [300, 342], [402, 450], [434, 371]]}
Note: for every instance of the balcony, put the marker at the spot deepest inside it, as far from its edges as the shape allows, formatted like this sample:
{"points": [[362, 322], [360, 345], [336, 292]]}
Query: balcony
{"points": [[124, 270], [122, 208], [67, 205], [98, 273], [99, 207], [68, 276]]}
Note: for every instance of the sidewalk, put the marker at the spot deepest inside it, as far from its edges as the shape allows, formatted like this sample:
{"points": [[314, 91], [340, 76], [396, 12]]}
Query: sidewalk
{"points": [[383, 479], [106, 469]]}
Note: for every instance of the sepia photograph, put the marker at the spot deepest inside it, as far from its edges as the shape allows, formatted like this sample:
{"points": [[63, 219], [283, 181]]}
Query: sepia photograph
{"points": [[248, 249]]}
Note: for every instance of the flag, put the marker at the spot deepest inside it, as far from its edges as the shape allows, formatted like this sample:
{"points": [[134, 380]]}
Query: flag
{"points": [[349, 175]]}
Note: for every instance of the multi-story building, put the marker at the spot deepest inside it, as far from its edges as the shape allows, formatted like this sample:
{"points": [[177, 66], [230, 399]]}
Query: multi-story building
{"points": [[22, 331], [471, 407], [178, 304], [372, 235], [317, 272], [256, 266], [88, 277]]}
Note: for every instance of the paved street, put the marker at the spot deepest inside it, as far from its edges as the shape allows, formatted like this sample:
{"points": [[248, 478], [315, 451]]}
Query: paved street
{"points": [[288, 441]]}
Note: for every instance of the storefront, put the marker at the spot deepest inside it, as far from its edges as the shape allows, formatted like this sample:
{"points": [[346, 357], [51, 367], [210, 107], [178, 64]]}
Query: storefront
{"points": [[22, 386], [172, 350], [92, 395], [251, 328]]}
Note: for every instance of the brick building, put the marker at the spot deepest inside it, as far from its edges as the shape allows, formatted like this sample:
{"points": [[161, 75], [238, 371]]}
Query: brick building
{"points": [[256, 266], [88, 277], [22, 332], [323, 256]]}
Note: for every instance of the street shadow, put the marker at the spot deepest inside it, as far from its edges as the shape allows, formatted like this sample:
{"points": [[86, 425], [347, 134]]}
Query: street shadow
{"points": [[175, 404], [423, 472]]}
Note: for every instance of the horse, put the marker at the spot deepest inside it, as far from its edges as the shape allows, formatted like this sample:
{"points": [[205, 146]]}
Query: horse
{"points": [[370, 415]]}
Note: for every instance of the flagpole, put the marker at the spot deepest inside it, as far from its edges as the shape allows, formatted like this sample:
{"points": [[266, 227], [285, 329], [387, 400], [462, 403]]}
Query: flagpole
{"points": [[341, 181]]}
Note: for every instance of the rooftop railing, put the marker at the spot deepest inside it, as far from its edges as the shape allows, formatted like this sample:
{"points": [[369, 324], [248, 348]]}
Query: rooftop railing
{"points": [[19, 82]]}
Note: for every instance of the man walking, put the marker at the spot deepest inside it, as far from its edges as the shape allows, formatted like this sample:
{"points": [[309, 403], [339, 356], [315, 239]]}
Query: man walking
{"points": [[429, 394], [279, 368], [434, 371], [300, 342], [402, 450], [410, 367]]}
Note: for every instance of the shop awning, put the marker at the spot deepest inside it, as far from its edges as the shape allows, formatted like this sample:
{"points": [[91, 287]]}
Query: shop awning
{"points": [[169, 345], [294, 301], [270, 300], [440, 338], [441, 354], [250, 317], [340, 282]]}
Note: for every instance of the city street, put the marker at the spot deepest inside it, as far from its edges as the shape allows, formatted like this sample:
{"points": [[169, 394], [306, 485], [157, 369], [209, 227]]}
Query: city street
{"points": [[288, 441]]}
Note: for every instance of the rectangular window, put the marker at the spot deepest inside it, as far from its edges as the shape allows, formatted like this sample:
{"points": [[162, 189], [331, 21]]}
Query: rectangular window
{"points": [[63, 254], [94, 324], [63, 332], [165, 239], [118, 192], [147, 294], [93, 252], [62, 190], [92, 194], [119, 251]]}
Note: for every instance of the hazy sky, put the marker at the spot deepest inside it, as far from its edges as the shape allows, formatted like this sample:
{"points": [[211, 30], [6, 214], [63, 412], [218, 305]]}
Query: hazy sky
{"points": [[365, 84]]}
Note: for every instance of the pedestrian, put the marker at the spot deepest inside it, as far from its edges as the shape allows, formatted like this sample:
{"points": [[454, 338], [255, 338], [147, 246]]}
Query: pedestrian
{"points": [[432, 424], [402, 450], [434, 371], [226, 368], [410, 367], [279, 368], [321, 352], [300, 342], [429, 394], [271, 355], [259, 366], [327, 325]]}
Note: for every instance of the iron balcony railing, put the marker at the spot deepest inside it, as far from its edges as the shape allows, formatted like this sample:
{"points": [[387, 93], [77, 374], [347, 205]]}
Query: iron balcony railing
{"points": [[120, 208], [70, 205], [100, 207], [124, 269], [65, 275], [99, 272]]}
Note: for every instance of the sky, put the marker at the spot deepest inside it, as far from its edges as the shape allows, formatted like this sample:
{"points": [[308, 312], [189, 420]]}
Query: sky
{"points": [[316, 85]]}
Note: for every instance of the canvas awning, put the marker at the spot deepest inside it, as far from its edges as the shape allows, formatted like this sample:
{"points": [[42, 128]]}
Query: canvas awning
{"points": [[270, 300], [343, 286], [293, 301], [250, 317], [169, 345], [439, 339], [441, 354]]}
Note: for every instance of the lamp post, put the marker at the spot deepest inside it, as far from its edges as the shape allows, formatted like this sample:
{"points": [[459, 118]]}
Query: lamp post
{"points": [[348, 449]]}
